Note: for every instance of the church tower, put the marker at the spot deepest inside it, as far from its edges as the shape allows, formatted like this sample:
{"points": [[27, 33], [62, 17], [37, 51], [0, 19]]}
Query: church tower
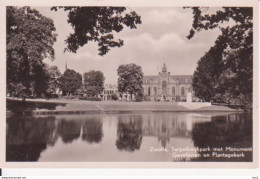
{"points": [[164, 73], [164, 68]]}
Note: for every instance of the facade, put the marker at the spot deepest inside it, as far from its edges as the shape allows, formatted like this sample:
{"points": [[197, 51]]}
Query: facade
{"points": [[167, 87], [109, 89], [112, 89]]}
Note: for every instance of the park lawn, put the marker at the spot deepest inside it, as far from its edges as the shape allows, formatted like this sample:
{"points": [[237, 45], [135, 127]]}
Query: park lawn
{"points": [[61, 106]]}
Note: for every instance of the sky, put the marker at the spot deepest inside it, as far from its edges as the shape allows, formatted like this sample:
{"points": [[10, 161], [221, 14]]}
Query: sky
{"points": [[161, 38]]}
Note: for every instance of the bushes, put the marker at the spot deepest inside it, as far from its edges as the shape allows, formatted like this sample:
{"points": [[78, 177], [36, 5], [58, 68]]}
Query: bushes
{"points": [[178, 98], [147, 98], [139, 97], [90, 98], [114, 97]]}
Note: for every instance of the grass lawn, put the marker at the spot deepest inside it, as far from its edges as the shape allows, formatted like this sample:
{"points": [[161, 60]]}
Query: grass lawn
{"points": [[61, 106]]}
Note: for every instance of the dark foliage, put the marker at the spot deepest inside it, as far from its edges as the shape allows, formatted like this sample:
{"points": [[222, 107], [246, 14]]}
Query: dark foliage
{"points": [[225, 72], [130, 80], [29, 39], [93, 82], [70, 81], [98, 24]]}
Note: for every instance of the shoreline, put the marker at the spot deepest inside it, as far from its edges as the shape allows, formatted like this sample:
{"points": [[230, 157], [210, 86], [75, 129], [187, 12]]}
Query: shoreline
{"points": [[63, 106]]}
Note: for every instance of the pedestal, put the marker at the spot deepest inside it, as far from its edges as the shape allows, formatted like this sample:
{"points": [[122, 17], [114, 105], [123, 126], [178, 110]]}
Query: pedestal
{"points": [[189, 97]]}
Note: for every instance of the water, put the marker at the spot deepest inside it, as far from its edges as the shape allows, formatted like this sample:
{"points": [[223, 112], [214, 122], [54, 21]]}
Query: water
{"points": [[175, 137]]}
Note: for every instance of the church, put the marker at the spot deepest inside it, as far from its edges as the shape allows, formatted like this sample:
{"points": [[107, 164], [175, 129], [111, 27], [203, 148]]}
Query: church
{"points": [[167, 87]]}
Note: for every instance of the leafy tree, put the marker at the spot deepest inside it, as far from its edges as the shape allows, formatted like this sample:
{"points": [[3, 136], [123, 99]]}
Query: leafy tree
{"points": [[236, 78], [93, 82], [40, 80], [54, 76], [98, 24], [29, 39], [130, 79], [70, 81], [206, 76]]}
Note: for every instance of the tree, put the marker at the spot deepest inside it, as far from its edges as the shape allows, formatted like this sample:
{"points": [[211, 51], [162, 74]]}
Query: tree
{"points": [[98, 24], [205, 80], [29, 39], [40, 81], [93, 82], [130, 79], [70, 81], [54, 76], [236, 78]]}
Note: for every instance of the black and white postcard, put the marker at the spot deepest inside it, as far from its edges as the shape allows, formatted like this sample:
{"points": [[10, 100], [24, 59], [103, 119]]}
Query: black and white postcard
{"points": [[128, 84]]}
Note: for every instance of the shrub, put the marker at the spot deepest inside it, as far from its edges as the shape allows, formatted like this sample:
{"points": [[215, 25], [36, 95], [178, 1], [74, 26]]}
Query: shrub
{"points": [[147, 98], [109, 97], [178, 98], [68, 97], [90, 98], [183, 100], [114, 97], [139, 97]]}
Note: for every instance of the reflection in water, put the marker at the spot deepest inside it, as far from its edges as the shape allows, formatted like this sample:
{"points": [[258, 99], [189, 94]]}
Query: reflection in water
{"points": [[165, 127], [129, 133], [233, 130], [40, 138], [69, 130], [27, 138], [92, 130]]}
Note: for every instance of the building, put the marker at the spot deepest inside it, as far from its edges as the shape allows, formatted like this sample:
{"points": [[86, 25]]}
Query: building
{"points": [[109, 89], [112, 89], [167, 87]]}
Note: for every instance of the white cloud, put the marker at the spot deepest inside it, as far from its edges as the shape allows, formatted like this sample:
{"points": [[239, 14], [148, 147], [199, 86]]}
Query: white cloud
{"points": [[164, 16], [160, 38]]}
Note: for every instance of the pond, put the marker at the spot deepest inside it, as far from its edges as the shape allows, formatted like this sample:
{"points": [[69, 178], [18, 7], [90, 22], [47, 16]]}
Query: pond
{"points": [[144, 137]]}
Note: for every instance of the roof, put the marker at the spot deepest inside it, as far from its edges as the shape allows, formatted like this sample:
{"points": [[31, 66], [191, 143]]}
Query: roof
{"points": [[182, 78], [110, 86]]}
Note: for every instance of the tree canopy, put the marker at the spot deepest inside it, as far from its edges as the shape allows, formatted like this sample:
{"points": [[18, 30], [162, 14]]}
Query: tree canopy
{"points": [[98, 24], [130, 79], [70, 81], [235, 82], [206, 76], [93, 82], [29, 39], [54, 77]]}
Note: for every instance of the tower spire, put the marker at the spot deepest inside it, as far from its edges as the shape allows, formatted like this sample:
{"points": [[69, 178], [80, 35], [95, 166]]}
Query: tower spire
{"points": [[164, 68], [66, 67]]}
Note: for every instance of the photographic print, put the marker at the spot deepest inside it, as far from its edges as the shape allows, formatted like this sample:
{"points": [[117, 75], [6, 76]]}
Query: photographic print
{"points": [[129, 84]]}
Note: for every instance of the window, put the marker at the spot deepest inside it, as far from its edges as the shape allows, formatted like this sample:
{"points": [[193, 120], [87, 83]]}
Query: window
{"points": [[173, 90], [149, 91], [182, 91], [155, 91]]}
